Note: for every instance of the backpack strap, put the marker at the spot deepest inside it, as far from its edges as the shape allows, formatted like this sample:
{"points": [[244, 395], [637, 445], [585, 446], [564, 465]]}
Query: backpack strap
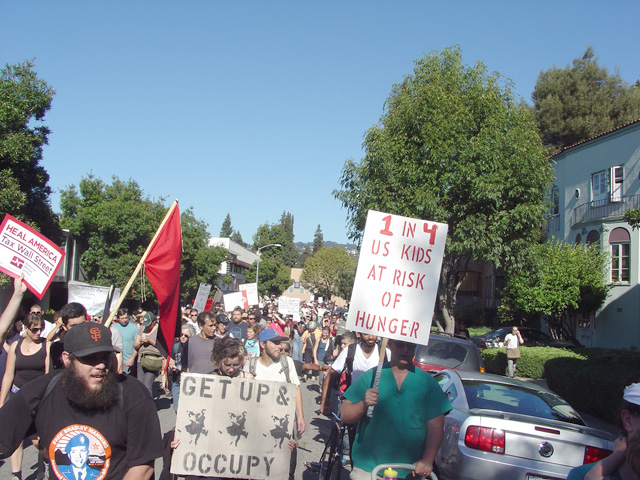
{"points": [[351, 352], [284, 363], [252, 365], [47, 391]]}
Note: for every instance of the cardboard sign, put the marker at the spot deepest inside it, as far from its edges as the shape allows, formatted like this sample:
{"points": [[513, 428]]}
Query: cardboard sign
{"points": [[25, 251], [397, 278], [234, 427], [201, 297], [235, 299], [289, 306], [252, 292], [93, 297]]}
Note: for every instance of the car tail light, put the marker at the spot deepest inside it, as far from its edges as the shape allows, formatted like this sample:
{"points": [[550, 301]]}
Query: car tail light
{"points": [[593, 454], [485, 438]]}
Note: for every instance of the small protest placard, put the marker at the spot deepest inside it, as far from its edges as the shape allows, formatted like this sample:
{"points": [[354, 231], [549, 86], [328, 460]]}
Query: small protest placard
{"points": [[289, 306], [234, 427], [397, 278], [93, 297], [235, 299], [200, 302], [25, 251], [252, 292]]}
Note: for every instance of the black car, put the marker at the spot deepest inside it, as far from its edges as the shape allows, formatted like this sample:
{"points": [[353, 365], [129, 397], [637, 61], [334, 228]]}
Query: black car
{"points": [[532, 338], [448, 351]]}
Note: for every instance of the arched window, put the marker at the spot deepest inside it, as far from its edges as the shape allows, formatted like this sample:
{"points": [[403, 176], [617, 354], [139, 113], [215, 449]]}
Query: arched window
{"points": [[593, 236], [578, 239], [619, 239]]}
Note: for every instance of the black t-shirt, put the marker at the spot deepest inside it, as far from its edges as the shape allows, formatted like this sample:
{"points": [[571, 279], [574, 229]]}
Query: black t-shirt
{"points": [[237, 330], [124, 436]]}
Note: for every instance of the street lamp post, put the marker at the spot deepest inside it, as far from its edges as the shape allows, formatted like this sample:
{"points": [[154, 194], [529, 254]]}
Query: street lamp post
{"points": [[258, 267]]}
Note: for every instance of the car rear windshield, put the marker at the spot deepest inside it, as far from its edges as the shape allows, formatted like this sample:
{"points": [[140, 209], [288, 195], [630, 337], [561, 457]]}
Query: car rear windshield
{"points": [[515, 399], [442, 352]]}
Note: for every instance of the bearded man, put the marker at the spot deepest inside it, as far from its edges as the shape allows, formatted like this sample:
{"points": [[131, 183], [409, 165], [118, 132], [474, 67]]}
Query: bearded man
{"points": [[114, 412]]}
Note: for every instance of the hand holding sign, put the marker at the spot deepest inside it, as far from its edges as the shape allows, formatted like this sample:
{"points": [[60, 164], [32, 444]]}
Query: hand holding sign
{"points": [[23, 251]]}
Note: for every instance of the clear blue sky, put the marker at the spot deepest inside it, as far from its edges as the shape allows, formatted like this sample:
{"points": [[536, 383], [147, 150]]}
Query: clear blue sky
{"points": [[252, 107]]}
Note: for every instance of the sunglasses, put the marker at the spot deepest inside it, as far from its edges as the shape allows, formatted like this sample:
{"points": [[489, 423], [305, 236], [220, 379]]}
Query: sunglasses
{"points": [[285, 350], [36, 329], [185, 335]]}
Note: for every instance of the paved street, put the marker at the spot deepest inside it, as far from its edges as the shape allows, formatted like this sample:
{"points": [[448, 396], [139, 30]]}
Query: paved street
{"points": [[311, 443]]}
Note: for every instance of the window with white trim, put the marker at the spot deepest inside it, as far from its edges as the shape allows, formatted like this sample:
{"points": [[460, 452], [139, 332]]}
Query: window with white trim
{"points": [[616, 176], [599, 188], [619, 239], [555, 200]]}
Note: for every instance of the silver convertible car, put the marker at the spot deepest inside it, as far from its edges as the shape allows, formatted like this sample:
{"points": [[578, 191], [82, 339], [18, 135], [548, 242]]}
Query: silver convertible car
{"points": [[505, 429]]}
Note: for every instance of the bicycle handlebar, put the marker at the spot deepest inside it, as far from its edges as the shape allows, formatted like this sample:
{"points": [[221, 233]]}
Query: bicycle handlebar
{"points": [[405, 466]]}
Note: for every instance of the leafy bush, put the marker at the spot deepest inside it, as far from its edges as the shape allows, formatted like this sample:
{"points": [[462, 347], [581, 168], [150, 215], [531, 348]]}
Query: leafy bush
{"points": [[531, 363]]}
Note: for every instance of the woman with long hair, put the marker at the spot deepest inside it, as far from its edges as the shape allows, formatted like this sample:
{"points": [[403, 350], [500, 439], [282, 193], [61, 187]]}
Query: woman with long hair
{"points": [[28, 359]]}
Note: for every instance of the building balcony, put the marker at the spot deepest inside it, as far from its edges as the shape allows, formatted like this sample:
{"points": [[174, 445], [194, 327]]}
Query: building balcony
{"points": [[603, 209]]}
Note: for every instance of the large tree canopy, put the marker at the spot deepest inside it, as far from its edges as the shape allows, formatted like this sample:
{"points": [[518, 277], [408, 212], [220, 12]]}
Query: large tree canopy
{"points": [[582, 100], [322, 271], [454, 146], [115, 224], [24, 189]]}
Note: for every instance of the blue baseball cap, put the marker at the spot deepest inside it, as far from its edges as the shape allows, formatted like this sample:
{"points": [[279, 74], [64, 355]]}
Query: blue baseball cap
{"points": [[268, 334]]}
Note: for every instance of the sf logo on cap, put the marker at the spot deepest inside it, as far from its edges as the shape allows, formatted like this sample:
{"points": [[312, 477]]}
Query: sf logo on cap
{"points": [[96, 334]]}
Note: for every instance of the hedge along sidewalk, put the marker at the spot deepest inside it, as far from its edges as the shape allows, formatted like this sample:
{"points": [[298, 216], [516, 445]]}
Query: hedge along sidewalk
{"points": [[590, 379]]}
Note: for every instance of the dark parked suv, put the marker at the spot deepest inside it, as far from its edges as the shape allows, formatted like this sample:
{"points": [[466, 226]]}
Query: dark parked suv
{"points": [[448, 351]]}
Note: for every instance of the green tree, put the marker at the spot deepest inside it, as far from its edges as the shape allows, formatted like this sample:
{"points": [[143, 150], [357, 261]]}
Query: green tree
{"points": [[322, 270], [582, 100], [632, 217], [275, 276], [226, 230], [200, 262], [555, 280], [454, 146], [24, 189], [280, 233], [115, 223], [318, 240]]}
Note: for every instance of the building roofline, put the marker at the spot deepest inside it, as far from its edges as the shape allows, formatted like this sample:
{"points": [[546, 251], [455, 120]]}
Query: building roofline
{"points": [[564, 149]]}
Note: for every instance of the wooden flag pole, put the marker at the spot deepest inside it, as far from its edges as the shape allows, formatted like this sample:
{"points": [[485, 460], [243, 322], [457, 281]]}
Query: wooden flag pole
{"points": [[124, 292], [376, 379]]}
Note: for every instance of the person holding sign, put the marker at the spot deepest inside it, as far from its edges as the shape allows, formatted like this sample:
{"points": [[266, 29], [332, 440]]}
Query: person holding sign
{"points": [[407, 425]]}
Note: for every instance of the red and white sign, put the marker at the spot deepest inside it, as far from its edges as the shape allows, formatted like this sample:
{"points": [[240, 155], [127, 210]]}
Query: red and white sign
{"points": [[235, 299], [252, 292], [27, 252], [397, 278]]}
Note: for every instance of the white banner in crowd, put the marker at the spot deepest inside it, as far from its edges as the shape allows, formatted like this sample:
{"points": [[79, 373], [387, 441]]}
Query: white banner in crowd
{"points": [[27, 252], [289, 306], [234, 427], [92, 297], [397, 278], [252, 292], [235, 299], [201, 297]]}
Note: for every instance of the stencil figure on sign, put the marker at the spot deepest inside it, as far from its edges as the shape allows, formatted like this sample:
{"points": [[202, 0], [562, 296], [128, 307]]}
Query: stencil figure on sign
{"points": [[281, 431], [236, 429], [196, 426]]}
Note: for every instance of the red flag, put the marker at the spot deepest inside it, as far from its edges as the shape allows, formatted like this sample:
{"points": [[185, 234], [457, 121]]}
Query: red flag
{"points": [[162, 267]]}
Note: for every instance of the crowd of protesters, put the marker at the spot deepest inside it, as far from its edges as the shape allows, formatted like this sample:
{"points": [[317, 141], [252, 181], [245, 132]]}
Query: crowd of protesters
{"points": [[211, 342]]}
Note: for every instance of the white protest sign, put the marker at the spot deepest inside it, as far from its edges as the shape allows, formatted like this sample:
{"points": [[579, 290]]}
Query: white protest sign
{"points": [[397, 278], [234, 427], [25, 251], [201, 297], [252, 292], [93, 297], [289, 306], [233, 300]]}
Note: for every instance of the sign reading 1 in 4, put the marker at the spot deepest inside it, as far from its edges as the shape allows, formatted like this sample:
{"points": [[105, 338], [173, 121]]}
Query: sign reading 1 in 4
{"points": [[397, 279]]}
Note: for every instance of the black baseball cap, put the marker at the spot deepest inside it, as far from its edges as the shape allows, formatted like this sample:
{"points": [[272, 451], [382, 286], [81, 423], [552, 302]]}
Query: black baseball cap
{"points": [[88, 338]]}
